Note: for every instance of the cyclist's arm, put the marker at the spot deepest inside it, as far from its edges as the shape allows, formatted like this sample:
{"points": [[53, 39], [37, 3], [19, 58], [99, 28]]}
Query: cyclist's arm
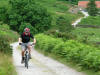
{"points": [[34, 40], [20, 39]]}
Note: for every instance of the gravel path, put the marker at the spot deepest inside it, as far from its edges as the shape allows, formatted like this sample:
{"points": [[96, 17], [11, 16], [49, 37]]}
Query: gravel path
{"points": [[79, 20], [40, 65]]}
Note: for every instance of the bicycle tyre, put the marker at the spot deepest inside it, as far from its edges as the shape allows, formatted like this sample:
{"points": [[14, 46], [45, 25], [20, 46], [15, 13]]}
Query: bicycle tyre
{"points": [[26, 61]]}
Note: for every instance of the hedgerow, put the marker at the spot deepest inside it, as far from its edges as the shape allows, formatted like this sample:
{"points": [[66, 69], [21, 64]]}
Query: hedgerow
{"points": [[6, 37], [4, 45], [71, 50], [26, 11]]}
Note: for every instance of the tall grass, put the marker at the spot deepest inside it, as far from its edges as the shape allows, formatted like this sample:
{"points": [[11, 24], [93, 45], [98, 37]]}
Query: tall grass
{"points": [[91, 20], [9, 34], [6, 66], [91, 34], [84, 55], [6, 36]]}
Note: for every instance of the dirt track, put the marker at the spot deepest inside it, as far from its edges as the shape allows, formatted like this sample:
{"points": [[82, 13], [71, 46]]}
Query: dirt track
{"points": [[40, 65]]}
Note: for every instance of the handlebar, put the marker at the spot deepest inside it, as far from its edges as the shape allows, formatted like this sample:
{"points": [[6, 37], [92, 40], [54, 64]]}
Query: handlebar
{"points": [[30, 45]]}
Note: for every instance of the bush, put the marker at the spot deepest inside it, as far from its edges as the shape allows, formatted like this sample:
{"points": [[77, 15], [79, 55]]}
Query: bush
{"points": [[4, 27], [4, 45], [3, 14], [64, 24], [8, 34], [47, 43], [71, 50], [63, 35], [92, 8], [27, 11], [27, 25]]}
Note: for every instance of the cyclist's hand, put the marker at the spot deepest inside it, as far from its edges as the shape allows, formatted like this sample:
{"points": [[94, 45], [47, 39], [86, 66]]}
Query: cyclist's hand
{"points": [[33, 43], [20, 43]]}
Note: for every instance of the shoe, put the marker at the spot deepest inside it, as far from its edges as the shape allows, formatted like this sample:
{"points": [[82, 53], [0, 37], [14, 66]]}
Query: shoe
{"points": [[22, 61]]}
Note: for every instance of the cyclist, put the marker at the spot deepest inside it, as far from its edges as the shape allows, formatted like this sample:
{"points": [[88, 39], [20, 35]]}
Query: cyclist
{"points": [[24, 41]]}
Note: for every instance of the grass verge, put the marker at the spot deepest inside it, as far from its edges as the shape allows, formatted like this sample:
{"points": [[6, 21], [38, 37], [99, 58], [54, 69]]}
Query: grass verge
{"points": [[69, 63], [6, 63], [91, 20], [6, 66], [89, 34]]}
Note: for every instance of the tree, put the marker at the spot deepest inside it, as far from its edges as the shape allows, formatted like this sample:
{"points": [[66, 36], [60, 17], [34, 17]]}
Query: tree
{"points": [[28, 11], [27, 25], [92, 8], [63, 24]]}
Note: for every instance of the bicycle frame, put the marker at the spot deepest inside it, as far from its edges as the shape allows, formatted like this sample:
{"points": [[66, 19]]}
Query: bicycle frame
{"points": [[26, 54]]}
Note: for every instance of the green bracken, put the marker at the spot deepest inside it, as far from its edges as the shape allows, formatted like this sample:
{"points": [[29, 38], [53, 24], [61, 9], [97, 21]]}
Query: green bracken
{"points": [[82, 54]]}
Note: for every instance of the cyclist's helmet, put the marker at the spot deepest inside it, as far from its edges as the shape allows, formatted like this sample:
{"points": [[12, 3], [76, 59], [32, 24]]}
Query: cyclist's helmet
{"points": [[27, 30]]}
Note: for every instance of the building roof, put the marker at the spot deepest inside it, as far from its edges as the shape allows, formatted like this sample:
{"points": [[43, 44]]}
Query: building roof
{"points": [[84, 4], [98, 4]]}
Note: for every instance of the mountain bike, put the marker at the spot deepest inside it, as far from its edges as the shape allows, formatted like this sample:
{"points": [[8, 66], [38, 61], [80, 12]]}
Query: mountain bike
{"points": [[26, 55]]}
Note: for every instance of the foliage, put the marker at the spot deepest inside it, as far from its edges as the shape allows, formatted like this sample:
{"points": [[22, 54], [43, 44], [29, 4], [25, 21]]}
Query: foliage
{"points": [[91, 20], [37, 13], [59, 8], [88, 34], [27, 25], [8, 34], [82, 54], [4, 27], [4, 45], [92, 9], [46, 44], [63, 35], [25, 11], [73, 1], [6, 66], [64, 25]]}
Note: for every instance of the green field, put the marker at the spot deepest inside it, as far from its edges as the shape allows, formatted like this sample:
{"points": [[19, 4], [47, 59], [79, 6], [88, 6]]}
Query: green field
{"points": [[92, 34], [91, 20], [59, 8]]}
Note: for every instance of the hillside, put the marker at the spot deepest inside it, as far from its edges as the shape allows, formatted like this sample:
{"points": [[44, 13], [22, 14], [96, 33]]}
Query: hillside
{"points": [[6, 37], [60, 8], [51, 23]]}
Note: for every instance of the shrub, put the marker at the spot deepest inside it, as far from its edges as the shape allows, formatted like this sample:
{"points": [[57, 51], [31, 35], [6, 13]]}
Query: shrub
{"points": [[47, 43], [4, 45], [63, 35], [92, 8], [3, 14], [82, 54], [63, 24], [28, 25], [27, 11], [8, 34]]}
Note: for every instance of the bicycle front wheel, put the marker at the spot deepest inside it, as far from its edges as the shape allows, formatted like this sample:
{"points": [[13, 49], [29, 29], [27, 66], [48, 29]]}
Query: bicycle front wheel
{"points": [[26, 61]]}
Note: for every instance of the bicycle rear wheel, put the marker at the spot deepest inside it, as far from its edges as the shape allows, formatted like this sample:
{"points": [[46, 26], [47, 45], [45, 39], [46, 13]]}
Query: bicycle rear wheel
{"points": [[26, 61]]}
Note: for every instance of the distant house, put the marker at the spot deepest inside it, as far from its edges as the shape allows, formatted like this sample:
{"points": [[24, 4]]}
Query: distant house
{"points": [[83, 4]]}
